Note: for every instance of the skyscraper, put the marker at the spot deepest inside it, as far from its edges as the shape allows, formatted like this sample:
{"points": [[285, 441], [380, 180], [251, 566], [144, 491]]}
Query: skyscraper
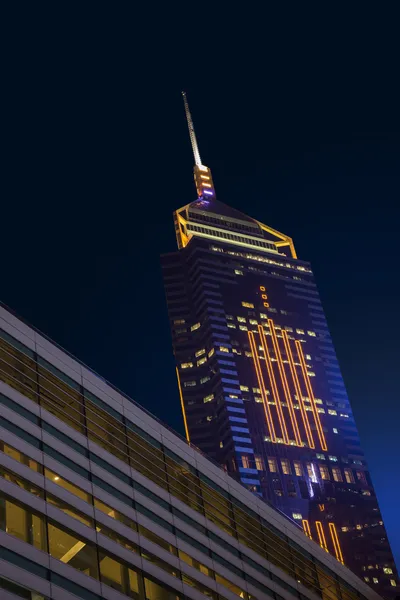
{"points": [[260, 385]]}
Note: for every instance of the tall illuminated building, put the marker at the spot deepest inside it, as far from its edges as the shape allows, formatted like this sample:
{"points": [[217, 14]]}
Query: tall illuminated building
{"points": [[260, 385]]}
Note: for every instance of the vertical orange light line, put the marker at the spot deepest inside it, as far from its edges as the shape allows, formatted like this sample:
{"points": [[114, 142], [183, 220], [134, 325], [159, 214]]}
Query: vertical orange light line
{"points": [[182, 405], [273, 384], [293, 371], [321, 536], [336, 543], [306, 528], [311, 396], [285, 385], [261, 385]]}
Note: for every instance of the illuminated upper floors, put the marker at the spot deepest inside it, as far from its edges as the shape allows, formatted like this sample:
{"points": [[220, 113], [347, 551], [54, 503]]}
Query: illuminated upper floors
{"points": [[100, 500]]}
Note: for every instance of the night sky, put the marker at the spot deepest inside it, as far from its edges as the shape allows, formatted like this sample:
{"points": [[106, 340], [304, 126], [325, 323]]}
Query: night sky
{"points": [[296, 113]]}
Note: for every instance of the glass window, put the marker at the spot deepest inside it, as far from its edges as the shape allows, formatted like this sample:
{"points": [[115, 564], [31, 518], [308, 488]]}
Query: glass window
{"points": [[195, 563], [122, 541], [106, 431], [153, 537], [20, 433], [22, 523], [72, 587], [323, 469], [69, 510], [72, 550], [19, 409], [348, 473], [361, 477], [146, 458], [245, 461], [113, 573], [272, 465], [183, 483], [114, 514], [337, 474], [285, 466], [231, 586], [64, 438], [65, 461], [66, 485], [198, 586], [156, 591], [298, 469], [259, 463], [60, 398], [159, 562], [216, 506], [21, 458], [18, 370], [21, 482]]}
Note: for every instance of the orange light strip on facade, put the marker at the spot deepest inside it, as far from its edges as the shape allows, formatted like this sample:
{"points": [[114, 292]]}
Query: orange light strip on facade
{"points": [[273, 385], [321, 535], [310, 439], [311, 396], [285, 385], [306, 528], [261, 385], [182, 405], [336, 543]]}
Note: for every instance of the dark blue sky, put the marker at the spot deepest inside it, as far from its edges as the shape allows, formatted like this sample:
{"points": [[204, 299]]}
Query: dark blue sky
{"points": [[297, 114]]}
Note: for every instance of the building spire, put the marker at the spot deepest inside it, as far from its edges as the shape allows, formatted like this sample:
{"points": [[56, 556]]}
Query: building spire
{"points": [[202, 174], [192, 134]]}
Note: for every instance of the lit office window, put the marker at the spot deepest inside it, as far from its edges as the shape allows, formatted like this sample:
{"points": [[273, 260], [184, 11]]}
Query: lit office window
{"points": [[348, 473], [337, 474], [298, 469], [272, 465]]}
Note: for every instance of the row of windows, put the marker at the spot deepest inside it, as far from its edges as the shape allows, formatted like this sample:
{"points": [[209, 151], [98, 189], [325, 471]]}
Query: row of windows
{"points": [[83, 495], [230, 236], [18, 590], [81, 410], [227, 223], [106, 568], [47, 535], [260, 259], [298, 469], [15, 523]]}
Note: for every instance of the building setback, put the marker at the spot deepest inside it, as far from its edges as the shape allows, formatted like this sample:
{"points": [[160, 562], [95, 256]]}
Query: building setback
{"points": [[260, 385]]}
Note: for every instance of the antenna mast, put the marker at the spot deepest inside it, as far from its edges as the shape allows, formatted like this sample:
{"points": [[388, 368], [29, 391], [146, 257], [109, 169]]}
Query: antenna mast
{"points": [[192, 134], [202, 174]]}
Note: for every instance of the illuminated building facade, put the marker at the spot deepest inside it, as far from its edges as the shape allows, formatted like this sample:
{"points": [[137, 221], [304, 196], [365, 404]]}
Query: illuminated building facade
{"points": [[260, 385], [99, 500]]}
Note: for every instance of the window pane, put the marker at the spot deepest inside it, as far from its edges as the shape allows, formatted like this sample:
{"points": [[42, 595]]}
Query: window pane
{"points": [[115, 514], [22, 483], [113, 573], [68, 548], [157, 540], [66, 485], [70, 510], [60, 399], [195, 563], [184, 484], [18, 370], [231, 586], [21, 458], [146, 458], [106, 431], [20, 522], [155, 591]]}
